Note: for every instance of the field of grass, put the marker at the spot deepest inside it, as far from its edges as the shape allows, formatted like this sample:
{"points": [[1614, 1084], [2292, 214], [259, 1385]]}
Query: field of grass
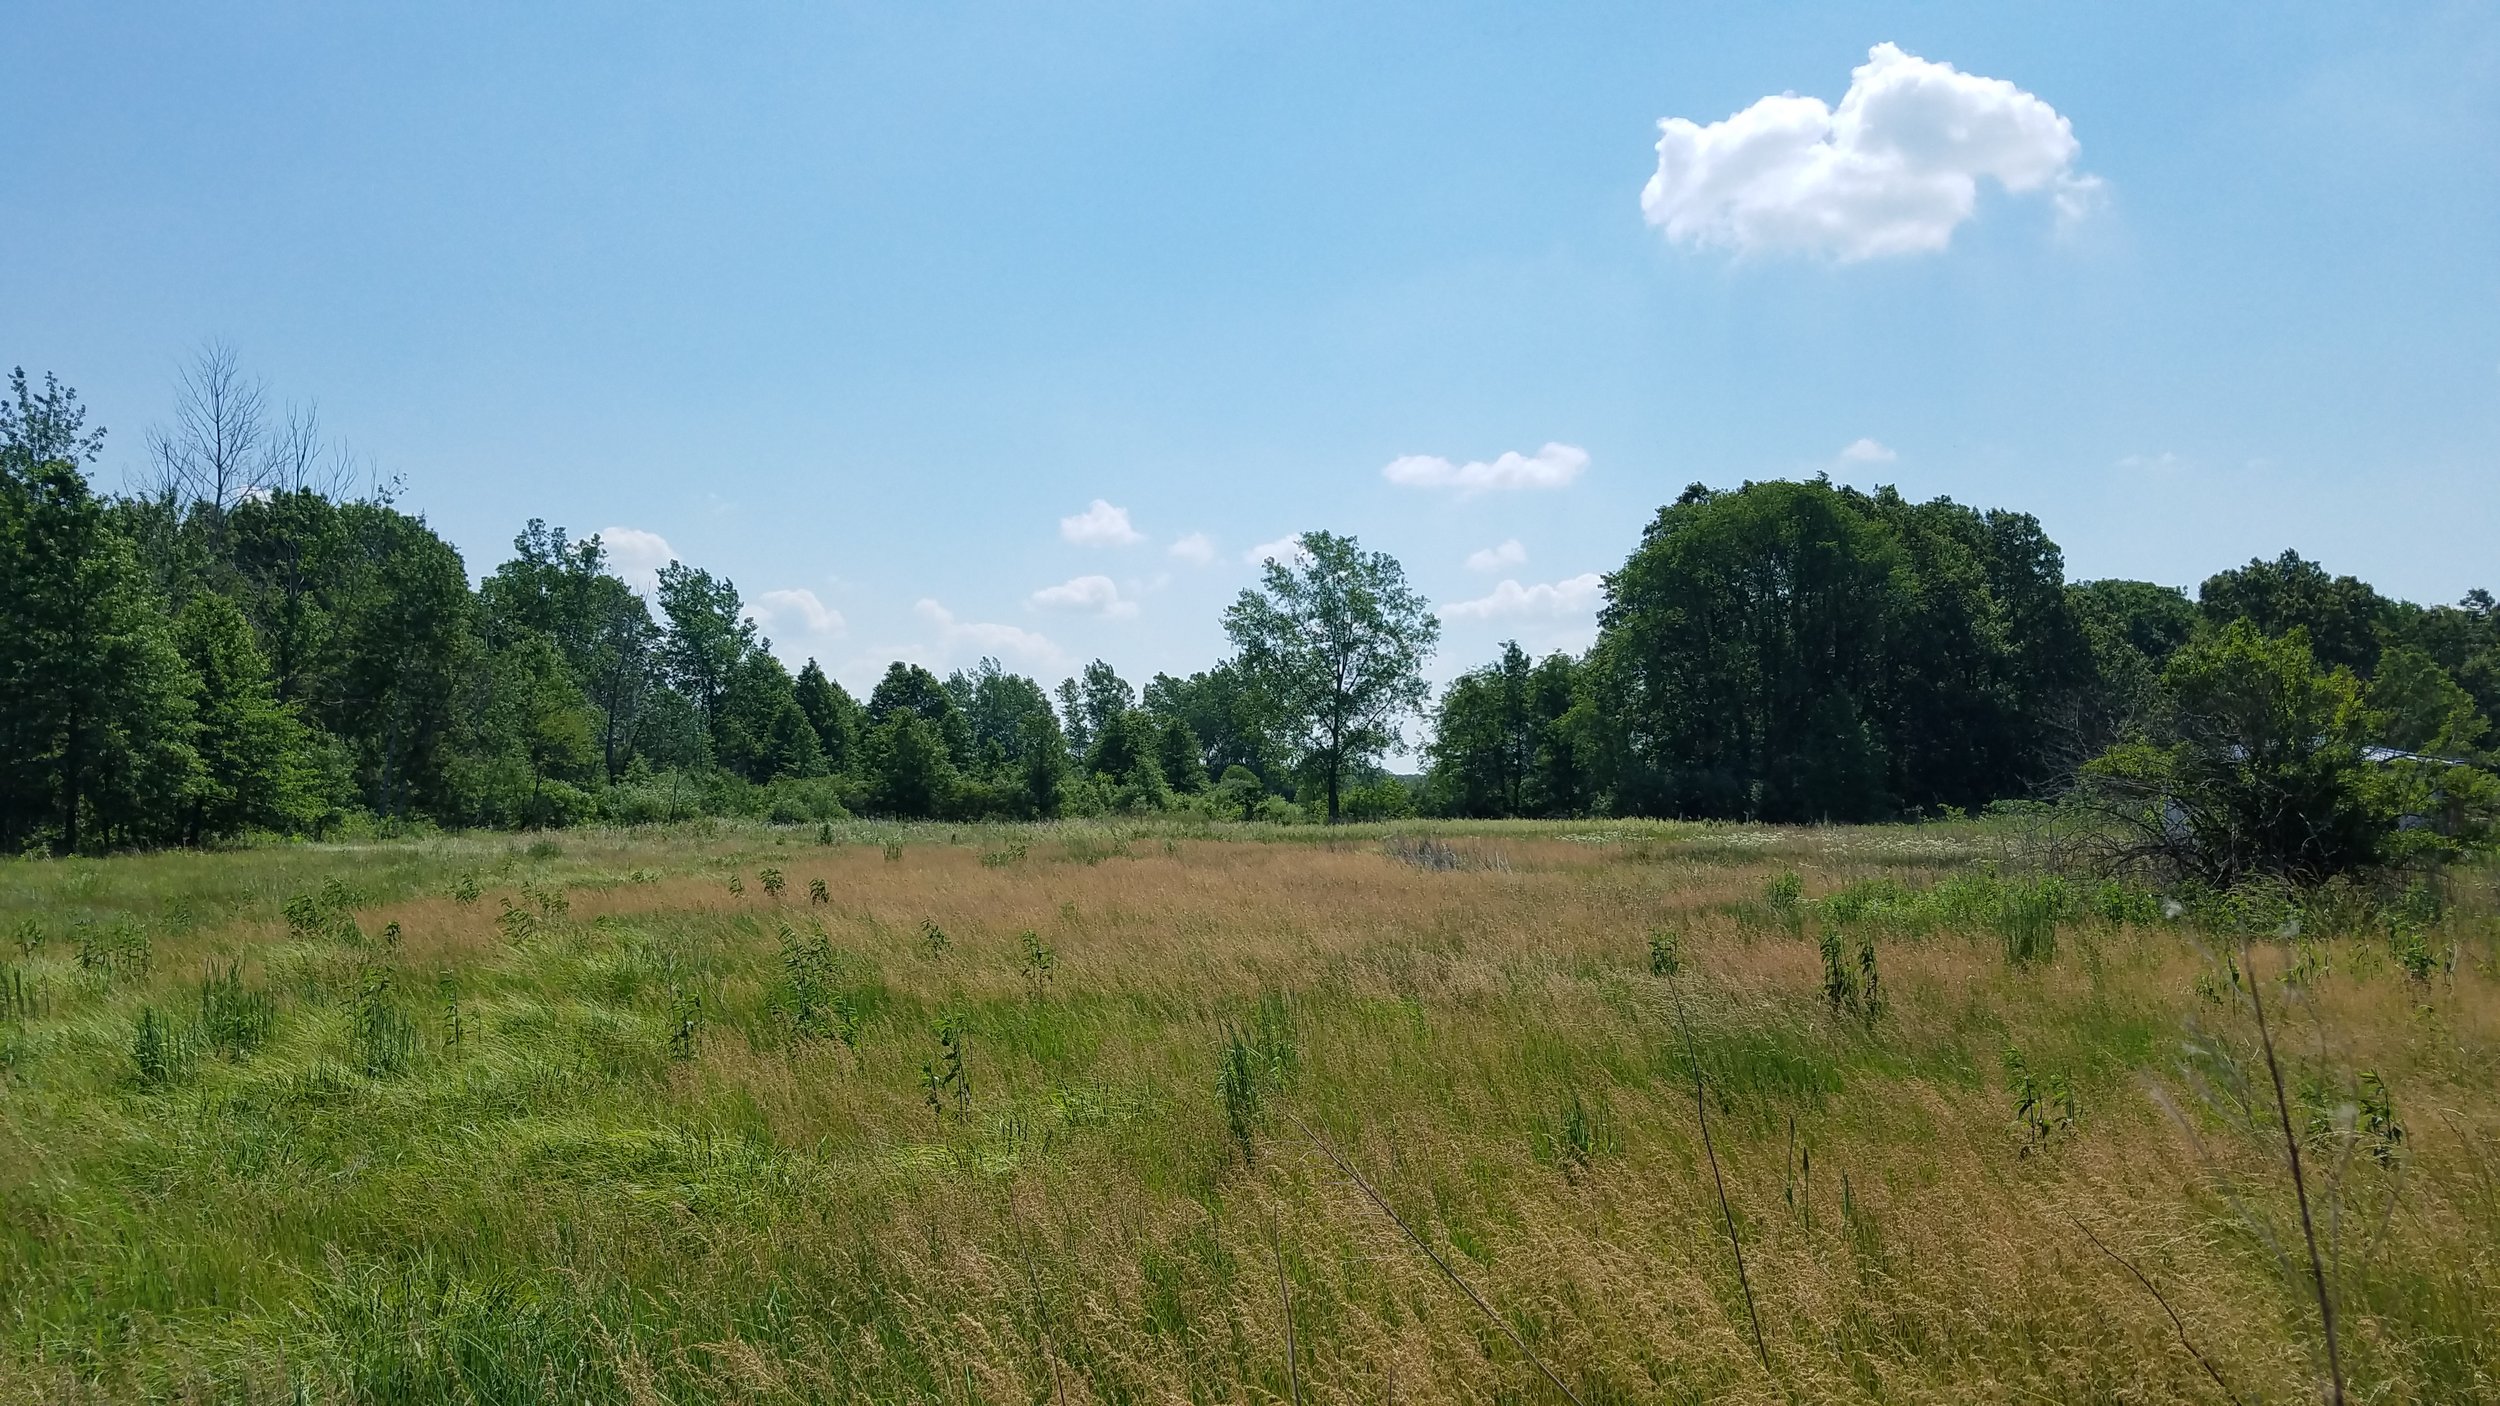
{"points": [[1071, 1114]]}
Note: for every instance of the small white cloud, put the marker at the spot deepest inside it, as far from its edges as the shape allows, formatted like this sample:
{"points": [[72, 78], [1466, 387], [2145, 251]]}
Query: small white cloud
{"points": [[1284, 549], [1894, 169], [1090, 595], [796, 612], [1553, 466], [1510, 553], [959, 638], [1578, 595], [1198, 549], [1867, 451], [1101, 525], [2162, 463], [637, 556]]}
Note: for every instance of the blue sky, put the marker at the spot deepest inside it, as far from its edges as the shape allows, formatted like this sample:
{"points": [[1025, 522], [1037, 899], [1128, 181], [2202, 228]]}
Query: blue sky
{"points": [[869, 307]]}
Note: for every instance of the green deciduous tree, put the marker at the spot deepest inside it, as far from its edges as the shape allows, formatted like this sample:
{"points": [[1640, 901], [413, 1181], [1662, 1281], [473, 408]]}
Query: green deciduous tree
{"points": [[1336, 641], [2341, 614]]}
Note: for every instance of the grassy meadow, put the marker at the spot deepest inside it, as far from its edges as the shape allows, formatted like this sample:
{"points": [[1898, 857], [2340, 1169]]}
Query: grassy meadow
{"points": [[1065, 1113]]}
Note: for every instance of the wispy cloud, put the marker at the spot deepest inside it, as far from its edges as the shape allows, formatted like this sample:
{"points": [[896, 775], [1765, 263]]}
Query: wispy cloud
{"points": [[1574, 596], [1553, 466], [1284, 549], [637, 556], [1089, 595], [796, 613], [1510, 553], [1198, 549], [1867, 451], [959, 639]]}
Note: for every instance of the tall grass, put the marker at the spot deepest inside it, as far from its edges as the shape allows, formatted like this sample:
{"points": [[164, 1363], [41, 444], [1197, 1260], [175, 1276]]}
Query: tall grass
{"points": [[652, 1139]]}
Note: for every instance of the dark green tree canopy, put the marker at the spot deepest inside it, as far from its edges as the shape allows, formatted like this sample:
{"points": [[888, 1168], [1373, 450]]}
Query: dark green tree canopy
{"points": [[2342, 615]]}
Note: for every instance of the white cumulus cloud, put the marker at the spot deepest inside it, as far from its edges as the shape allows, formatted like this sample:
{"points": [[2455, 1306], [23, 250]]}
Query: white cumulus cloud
{"points": [[1090, 595], [1100, 525], [1287, 549], [960, 638], [1867, 451], [1198, 549], [1576, 596], [1553, 466], [1510, 553], [637, 556], [1893, 170], [796, 612]]}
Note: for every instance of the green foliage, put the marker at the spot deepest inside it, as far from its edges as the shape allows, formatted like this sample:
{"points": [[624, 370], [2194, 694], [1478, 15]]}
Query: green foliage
{"points": [[235, 1020], [2255, 768], [2341, 617], [1798, 651], [1036, 960], [1505, 743], [1666, 952], [1851, 987], [810, 1002], [1334, 642], [382, 1037], [160, 1053], [685, 1023], [2045, 1106], [946, 1081]]}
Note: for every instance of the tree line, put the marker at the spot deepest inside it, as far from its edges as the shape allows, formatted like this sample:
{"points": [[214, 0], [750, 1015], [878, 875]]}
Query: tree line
{"points": [[246, 646]]}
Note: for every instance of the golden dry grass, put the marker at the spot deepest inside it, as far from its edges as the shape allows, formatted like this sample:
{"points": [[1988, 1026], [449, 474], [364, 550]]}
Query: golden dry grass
{"points": [[556, 1208]]}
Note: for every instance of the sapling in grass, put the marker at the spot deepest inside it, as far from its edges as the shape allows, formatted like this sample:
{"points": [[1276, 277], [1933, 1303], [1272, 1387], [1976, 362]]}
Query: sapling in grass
{"points": [[1666, 952], [817, 892], [771, 879], [1037, 961], [933, 939], [29, 937], [458, 1024], [383, 1037], [824, 832], [947, 1080], [2044, 1105], [516, 923], [685, 1019], [806, 1001]]}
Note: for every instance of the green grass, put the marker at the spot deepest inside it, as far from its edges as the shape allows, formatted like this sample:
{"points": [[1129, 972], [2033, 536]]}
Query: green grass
{"points": [[655, 1140]]}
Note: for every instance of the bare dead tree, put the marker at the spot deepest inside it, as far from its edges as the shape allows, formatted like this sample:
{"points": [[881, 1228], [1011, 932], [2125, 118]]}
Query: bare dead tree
{"points": [[298, 459], [219, 444]]}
